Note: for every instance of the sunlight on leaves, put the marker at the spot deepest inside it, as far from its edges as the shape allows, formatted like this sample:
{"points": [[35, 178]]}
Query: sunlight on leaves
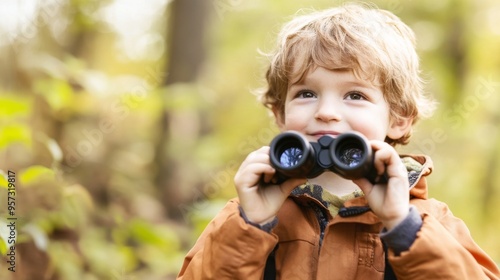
{"points": [[6, 239], [11, 106], [3, 179], [16, 133], [35, 174], [58, 93]]}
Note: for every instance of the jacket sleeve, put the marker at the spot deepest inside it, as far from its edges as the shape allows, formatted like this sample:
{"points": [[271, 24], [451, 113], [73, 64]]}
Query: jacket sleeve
{"points": [[443, 249], [228, 248]]}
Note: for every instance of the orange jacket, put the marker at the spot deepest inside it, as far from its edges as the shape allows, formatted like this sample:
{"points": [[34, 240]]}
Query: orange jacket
{"points": [[229, 248]]}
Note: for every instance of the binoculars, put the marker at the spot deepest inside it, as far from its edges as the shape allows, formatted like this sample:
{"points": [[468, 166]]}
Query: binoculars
{"points": [[348, 154]]}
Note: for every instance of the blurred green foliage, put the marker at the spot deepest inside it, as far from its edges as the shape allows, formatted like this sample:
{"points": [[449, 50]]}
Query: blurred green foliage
{"points": [[85, 114]]}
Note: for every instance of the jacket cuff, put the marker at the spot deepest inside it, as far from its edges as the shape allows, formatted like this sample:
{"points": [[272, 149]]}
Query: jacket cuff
{"points": [[267, 227], [401, 237]]}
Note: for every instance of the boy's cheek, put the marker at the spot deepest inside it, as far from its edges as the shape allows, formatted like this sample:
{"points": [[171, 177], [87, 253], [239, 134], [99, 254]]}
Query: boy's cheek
{"points": [[294, 123]]}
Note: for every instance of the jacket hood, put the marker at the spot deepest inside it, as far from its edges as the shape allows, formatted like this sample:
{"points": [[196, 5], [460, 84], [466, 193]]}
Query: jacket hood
{"points": [[418, 167]]}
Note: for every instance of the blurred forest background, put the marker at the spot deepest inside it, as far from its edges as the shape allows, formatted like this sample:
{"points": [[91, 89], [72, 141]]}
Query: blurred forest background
{"points": [[125, 121]]}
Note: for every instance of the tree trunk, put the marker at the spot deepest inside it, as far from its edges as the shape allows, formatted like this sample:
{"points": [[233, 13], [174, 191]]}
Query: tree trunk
{"points": [[186, 55]]}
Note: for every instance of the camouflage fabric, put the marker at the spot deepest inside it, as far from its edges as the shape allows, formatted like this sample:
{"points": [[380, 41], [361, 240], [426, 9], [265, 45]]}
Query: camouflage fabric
{"points": [[333, 203]]}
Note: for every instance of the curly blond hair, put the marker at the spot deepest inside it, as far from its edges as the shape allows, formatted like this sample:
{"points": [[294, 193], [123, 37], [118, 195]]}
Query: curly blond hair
{"points": [[375, 44]]}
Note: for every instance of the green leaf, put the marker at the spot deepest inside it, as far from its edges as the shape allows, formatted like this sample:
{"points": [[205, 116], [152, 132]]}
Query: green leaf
{"points": [[75, 206], [144, 232], [3, 179], [11, 106], [3, 247], [15, 133], [4, 237], [35, 173], [58, 93]]}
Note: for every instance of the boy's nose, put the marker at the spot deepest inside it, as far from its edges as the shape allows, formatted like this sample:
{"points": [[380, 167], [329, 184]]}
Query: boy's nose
{"points": [[327, 111]]}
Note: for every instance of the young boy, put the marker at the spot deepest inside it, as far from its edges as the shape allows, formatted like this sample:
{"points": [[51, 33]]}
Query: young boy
{"points": [[351, 68]]}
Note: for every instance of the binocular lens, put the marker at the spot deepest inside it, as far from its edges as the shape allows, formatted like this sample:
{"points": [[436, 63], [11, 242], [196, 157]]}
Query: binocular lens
{"points": [[351, 156], [290, 157]]}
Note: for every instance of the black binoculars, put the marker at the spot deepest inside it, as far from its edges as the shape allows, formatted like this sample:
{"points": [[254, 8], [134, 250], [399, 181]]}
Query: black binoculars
{"points": [[348, 154]]}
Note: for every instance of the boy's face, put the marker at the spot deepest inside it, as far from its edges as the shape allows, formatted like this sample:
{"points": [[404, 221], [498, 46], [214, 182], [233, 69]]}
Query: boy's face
{"points": [[330, 102]]}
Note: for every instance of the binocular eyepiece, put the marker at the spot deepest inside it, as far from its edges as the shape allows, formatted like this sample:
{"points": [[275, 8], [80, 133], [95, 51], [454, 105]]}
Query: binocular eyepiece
{"points": [[348, 154]]}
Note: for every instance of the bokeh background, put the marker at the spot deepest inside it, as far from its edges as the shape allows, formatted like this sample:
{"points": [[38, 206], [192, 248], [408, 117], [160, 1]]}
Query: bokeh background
{"points": [[125, 121]]}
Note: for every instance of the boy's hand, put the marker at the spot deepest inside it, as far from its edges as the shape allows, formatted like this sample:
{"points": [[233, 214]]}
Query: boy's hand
{"points": [[390, 202], [261, 203]]}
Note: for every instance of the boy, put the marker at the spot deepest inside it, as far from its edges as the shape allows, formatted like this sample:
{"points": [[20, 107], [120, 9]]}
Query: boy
{"points": [[350, 68]]}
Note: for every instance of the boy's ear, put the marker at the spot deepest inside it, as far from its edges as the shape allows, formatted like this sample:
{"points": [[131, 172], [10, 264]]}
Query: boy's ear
{"points": [[399, 127], [278, 117]]}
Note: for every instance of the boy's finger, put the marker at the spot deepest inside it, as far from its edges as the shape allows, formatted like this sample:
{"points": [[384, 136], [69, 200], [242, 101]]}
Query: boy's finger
{"points": [[381, 160], [291, 184], [268, 176], [364, 185]]}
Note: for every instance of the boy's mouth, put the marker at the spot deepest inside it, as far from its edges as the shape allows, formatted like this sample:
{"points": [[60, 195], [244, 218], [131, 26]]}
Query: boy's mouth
{"points": [[318, 134]]}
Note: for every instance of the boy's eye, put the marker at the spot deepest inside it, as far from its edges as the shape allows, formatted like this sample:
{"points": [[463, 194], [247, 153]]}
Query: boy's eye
{"points": [[354, 95], [305, 94]]}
